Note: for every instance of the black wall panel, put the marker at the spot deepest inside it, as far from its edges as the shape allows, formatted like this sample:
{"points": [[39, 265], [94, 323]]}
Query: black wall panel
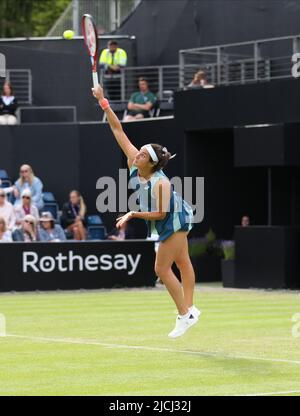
{"points": [[259, 146], [209, 154], [267, 257], [239, 105], [6, 147], [267, 145]]}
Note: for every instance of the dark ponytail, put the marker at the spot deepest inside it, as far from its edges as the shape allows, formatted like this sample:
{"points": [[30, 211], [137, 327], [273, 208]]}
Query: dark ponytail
{"points": [[163, 156]]}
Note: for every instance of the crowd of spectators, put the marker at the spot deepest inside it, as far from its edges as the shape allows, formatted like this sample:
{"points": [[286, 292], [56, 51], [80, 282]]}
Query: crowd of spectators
{"points": [[23, 218]]}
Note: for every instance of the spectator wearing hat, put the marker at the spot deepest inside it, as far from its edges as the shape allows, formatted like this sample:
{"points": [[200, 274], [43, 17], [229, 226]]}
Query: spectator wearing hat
{"points": [[28, 231], [28, 180], [7, 211], [48, 230], [26, 208], [5, 234]]}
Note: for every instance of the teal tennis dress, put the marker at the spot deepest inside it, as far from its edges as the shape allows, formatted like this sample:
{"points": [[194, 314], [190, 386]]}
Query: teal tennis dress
{"points": [[179, 216]]}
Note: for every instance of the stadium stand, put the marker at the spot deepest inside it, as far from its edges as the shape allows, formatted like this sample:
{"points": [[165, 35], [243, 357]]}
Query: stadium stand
{"points": [[95, 227], [51, 205]]}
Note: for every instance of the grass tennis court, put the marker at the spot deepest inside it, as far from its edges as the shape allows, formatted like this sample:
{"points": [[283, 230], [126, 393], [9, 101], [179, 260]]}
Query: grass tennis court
{"points": [[115, 343]]}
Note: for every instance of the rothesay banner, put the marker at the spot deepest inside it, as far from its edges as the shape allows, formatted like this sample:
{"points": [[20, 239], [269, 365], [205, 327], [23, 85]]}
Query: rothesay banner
{"points": [[76, 265]]}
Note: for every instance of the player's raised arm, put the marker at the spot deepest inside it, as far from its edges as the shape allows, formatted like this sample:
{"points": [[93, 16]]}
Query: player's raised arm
{"points": [[128, 148]]}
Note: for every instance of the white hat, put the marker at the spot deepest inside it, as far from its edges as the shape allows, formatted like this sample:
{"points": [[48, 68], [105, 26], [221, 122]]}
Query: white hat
{"points": [[26, 192]]}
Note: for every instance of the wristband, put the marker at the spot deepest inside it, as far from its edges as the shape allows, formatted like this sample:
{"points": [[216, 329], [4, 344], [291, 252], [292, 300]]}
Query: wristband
{"points": [[104, 104]]}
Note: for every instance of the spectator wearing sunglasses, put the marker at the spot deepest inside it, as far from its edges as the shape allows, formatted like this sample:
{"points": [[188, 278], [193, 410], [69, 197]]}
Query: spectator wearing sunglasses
{"points": [[28, 231], [25, 208], [48, 230], [5, 234], [28, 180], [7, 211]]}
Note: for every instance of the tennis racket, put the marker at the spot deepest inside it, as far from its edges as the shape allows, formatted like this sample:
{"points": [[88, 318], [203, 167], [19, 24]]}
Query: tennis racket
{"points": [[90, 35]]}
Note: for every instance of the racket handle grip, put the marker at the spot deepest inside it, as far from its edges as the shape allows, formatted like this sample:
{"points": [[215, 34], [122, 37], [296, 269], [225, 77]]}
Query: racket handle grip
{"points": [[95, 79]]}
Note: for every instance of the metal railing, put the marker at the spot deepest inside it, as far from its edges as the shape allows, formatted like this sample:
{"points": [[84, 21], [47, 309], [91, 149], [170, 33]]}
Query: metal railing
{"points": [[108, 15], [236, 63], [161, 80], [240, 63], [21, 81]]}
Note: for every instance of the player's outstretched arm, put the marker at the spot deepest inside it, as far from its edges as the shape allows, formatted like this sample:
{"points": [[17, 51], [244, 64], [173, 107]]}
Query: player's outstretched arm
{"points": [[128, 148]]}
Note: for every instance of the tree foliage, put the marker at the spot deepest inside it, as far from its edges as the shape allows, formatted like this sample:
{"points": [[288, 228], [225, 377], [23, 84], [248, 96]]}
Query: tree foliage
{"points": [[24, 18]]}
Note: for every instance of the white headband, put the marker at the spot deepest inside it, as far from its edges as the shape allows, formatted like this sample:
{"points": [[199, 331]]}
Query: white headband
{"points": [[151, 152]]}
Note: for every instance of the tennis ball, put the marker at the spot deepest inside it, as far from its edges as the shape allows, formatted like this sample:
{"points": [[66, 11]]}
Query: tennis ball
{"points": [[68, 34]]}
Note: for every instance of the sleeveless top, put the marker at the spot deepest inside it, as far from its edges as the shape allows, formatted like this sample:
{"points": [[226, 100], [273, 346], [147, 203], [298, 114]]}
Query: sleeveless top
{"points": [[179, 216]]}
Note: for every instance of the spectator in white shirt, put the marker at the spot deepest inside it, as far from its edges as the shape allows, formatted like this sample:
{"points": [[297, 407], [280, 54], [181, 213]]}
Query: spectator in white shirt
{"points": [[26, 207], [5, 234], [200, 81], [7, 211], [8, 105]]}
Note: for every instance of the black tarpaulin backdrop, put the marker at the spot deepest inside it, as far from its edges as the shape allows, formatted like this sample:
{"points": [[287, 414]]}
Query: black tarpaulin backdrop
{"points": [[163, 27]]}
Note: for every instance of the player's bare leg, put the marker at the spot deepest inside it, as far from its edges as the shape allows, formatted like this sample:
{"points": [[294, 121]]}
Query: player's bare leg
{"points": [[165, 257], [184, 264], [168, 251]]}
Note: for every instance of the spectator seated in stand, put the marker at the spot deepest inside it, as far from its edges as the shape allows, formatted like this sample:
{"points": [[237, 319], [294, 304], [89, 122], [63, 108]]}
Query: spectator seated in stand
{"points": [[28, 230], [26, 207], [141, 102], [29, 181], [245, 221], [73, 218], [48, 230], [8, 105], [200, 81], [5, 234], [7, 211]]}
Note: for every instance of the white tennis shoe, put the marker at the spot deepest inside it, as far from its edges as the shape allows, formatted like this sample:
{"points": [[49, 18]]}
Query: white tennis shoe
{"points": [[195, 311], [183, 324]]}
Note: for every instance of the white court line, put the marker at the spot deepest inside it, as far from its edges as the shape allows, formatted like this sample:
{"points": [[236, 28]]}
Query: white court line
{"points": [[145, 348], [271, 393]]}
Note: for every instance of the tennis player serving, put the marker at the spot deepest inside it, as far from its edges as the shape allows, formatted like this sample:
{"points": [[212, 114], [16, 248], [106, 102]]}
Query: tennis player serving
{"points": [[165, 212]]}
